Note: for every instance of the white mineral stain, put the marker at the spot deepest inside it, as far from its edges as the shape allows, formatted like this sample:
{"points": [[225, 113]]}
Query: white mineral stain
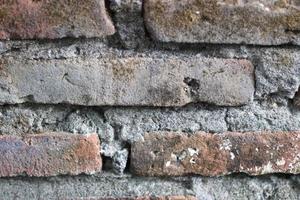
{"points": [[280, 162], [232, 156], [168, 163], [173, 157], [267, 168], [226, 145], [193, 151]]}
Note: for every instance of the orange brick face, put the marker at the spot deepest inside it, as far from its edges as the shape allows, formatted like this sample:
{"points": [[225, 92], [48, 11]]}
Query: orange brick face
{"points": [[167, 154], [49, 154], [29, 19]]}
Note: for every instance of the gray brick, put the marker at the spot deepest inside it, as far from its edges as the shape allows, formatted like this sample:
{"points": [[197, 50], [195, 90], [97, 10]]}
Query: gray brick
{"points": [[127, 80]]}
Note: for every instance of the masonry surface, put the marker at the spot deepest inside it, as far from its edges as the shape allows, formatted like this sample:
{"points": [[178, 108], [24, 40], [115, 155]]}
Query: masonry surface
{"points": [[153, 99]]}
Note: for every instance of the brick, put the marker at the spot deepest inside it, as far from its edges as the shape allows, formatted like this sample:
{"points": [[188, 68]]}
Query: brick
{"points": [[141, 80], [28, 19], [173, 154], [49, 154], [261, 22]]}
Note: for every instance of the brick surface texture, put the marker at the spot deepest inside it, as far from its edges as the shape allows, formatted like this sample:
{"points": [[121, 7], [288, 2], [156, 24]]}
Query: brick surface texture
{"points": [[167, 154], [134, 80], [29, 19], [49, 154], [150, 99], [261, 22]]}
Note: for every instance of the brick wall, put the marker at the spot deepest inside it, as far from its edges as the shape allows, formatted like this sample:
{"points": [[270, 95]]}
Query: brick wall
{"points": [[153, 99]]}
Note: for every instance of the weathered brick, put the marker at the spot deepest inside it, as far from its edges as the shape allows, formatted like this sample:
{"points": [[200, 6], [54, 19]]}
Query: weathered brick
{"points": [[28, 19], [131, 80], [261, 22], [49, 154], [166, 153]]}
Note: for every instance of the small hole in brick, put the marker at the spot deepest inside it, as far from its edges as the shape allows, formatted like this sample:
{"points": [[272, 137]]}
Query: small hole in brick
{"points": [[155, 152]]}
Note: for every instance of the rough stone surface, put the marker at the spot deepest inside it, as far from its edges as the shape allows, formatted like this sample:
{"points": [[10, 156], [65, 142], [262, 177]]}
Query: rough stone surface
{"points": [[127, 16], [132, 123], [120, 161], [127, 81], [277, 72], [29, 19], [261, 22], [263, 116], [167, 153], [247, 188], [2, 47], [120, 126], [277, 79], [49, 154], [107, 185], [154, 198], [97, 186], [20, 119]]}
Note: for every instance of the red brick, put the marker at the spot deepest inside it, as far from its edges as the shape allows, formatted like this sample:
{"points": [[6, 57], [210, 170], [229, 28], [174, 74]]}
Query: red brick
{"points": [[28, 19], [166, 154], [49, 154]]}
